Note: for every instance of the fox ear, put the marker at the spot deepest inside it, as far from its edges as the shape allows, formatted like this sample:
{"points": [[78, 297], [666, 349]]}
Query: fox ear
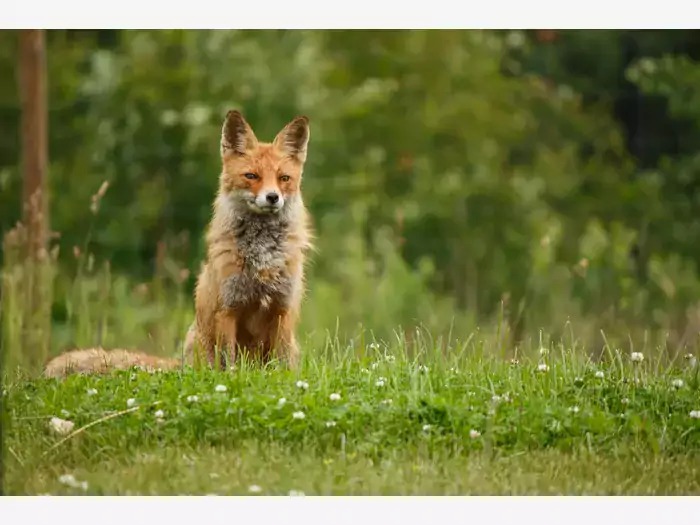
{"points": [[237, 136], [294, 138]]}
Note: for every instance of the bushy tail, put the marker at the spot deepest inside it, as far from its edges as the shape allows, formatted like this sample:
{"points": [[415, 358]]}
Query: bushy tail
{"points": [[101, 361]]}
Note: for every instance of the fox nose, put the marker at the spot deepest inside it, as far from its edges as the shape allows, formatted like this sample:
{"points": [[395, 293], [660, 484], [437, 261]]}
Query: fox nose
{"points": [[272, 198]]}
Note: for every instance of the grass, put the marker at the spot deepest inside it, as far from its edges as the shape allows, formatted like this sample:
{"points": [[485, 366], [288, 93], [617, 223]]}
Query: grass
{"points": [[410, 420]]}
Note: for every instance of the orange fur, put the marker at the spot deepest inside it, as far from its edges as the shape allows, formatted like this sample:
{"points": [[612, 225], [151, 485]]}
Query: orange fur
{"points": [[264, 330], [266, 325], [101, 361]]}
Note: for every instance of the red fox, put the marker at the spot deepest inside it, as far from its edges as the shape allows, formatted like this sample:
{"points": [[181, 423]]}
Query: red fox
{"points": [[249, 291]]}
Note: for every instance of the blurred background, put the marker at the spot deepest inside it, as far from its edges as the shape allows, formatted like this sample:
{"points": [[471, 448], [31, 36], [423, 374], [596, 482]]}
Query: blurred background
{"points": [[518, 187]]}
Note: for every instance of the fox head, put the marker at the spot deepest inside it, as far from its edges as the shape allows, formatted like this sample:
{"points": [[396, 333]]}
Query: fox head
{"points": [[265, 177]]}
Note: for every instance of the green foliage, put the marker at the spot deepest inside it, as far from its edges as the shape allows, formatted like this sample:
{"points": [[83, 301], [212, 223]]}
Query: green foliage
{"points": [[457, 179]]}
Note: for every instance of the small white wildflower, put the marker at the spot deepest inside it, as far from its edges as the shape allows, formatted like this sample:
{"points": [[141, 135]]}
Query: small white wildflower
{"points": [[677, 383], [133, 377], [70, 481], [61, 426], [423, 368], [387, 401], [574, 409], [65, 413], [255, 489], [159, 414], [330, 424], [374, 366], [506, 397], [192, 399], [298, 415], [426, 428], [695, 414], [220, 388], [303, 385], [543, 367], [474, 434], [92, 391], [296, 493], [625, 401], [496, 399], [600, 375], [390, 358], [637, 357], [335, 397], [374, 346], [380, 383], [452, 369], [130, 402], [544, 350], [281, 402], [514, 361]]}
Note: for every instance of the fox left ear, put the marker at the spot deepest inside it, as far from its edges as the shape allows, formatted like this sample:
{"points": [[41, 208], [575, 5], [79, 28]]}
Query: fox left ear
{"points": [[293, 140]]}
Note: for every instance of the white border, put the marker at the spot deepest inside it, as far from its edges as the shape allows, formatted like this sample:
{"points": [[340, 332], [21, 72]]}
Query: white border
{"points": [[347, 510], [357, 14]]}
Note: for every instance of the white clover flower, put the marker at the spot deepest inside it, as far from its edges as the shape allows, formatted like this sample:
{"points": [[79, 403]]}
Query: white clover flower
{"points": [[92, 392], [543, 367], [303, 385], [281, 402], [677, 383], [65, 413], [255, 489], [379, 382], [637, 357], [130, 402], [695, 414], [159, 414], [70, 481], [220, 388], [474, 434], [335, 397], [192, 399], [330, 424], [426, 428], [600, 375], [298, 415], [61, 426], [574, 409]]}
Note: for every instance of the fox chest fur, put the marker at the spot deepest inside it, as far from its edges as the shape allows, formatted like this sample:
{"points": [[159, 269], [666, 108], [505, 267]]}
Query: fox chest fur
{"points": [[263, 249]]}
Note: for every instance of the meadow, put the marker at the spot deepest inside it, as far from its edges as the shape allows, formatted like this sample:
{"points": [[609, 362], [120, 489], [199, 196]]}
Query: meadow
{"points": [[370, 417]]}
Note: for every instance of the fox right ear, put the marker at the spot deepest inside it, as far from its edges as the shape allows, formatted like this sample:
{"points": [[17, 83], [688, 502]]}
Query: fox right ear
{"points": [[237, 136]]}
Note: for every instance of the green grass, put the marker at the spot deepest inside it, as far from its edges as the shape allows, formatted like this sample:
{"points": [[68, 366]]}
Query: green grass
{"points": [[406, 423]]}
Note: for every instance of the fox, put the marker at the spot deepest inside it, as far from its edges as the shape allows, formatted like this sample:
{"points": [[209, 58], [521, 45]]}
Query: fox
{"points": [[251, 284]]}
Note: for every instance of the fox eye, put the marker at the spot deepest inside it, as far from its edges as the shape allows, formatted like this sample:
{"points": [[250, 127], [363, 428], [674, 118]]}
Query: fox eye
{"points": [[250, 176], [285, 178]]}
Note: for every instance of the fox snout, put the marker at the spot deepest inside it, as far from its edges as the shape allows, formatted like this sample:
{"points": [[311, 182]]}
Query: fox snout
{"points": [[269, 201]]}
